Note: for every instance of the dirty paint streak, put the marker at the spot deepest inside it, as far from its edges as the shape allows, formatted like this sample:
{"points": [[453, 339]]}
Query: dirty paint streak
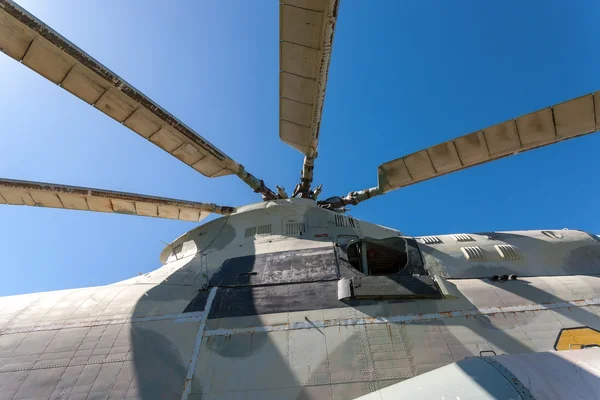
{"points": [[400, 319]]}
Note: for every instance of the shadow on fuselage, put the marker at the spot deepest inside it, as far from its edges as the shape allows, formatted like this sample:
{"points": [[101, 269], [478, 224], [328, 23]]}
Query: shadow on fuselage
{"points": [[160, 368]]}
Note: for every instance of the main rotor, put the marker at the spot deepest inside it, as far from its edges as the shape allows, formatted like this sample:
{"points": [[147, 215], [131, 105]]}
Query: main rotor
{"points": [[306, 38]]}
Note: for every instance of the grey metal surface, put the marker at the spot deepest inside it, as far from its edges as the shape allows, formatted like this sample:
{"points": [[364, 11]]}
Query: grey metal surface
{"points": [[389, 287], [571, 374], [569, 252], [545, 375], [468, 379], [145, 336], [294, 266], [132, 359]]}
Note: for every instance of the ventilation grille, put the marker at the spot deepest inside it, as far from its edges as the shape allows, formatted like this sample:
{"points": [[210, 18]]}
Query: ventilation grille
{"points": [[507, 252], [553, 235], [430, 239], [263, 230], [473, 253], [295, 228], [463, 237], [258, 230], [344, 222]]}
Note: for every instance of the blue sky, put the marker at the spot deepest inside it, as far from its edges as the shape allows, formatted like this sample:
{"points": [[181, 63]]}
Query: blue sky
{"points": [[404, 76]]}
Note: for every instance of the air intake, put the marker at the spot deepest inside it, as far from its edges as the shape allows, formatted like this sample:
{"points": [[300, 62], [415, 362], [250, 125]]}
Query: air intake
{"points": [[258, 230], [295, 228], [507, 252], [344, 222], [463, 237], [473, 253], [430, 239]]}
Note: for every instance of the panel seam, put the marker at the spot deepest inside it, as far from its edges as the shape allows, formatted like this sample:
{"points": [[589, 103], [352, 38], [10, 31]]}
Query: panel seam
{"points": [[187, 385]]}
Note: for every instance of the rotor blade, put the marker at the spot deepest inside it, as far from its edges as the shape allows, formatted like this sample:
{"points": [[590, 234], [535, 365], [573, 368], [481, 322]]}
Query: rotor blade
{"points": [[306, 37], [40, 194], [30, 41], [550, 125]]}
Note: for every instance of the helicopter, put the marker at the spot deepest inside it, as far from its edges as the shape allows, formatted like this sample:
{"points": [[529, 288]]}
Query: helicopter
{"points": [[290, 297]]}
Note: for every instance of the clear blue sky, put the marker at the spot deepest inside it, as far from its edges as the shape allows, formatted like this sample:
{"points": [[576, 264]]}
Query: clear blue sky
{"points": [[404, 76]]}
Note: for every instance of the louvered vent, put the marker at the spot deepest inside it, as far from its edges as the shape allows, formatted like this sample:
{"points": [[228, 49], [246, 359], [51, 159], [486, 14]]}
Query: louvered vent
{"points": [[295, 228], [258, 230], [473, 253], [463, 237], [344, 222], [507, 252], [430, 239], [263, 230], [553, 235], [339, 220]]}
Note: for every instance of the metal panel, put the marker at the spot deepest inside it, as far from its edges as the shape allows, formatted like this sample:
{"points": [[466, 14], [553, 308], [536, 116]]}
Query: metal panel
{"points": [[472, 148], [145, 359], [348, 362], [309, 364], [299, 60], [47, 60], [167, 139], [575, 116], [295, 135], [297, 88], [540, 253], [392, 286], [295, 112], [536, 128], [550, 125], [116, 105], [502, 139], [14, 36], [207, 166], [73, 202], [80, 198], [561, 375], [256, 300], [286, 267], [469, 379], [84, 84], [419, 165], [301, 26], [445, 157]]}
